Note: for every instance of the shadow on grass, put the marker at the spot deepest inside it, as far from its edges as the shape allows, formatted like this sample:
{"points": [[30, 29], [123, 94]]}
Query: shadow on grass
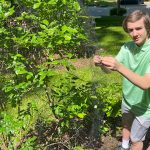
{"points": [[110, 33], [111, 41], [108, 21]]}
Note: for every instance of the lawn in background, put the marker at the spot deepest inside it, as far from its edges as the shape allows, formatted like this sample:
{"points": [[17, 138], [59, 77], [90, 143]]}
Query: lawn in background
{"points": [[110, 34]]}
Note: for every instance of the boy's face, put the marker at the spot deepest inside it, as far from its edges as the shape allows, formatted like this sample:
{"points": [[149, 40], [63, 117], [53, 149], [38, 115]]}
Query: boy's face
{"points": [[137, 31]]}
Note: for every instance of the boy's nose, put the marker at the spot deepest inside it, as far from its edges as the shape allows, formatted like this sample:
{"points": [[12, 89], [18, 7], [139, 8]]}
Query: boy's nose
{"points": [[134, 33]]}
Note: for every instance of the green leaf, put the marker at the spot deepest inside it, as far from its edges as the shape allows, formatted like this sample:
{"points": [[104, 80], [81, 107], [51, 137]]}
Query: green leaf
{"points": [[93, 97], [67, 37], [81, 115], [36, 5], [64, 1], [52, 2], [20, 71], [8, 88], [34, 39], [64, 28], [43, 26], [50, 73], [2, 30], [46, 22], [10, 12], [51, 31], [69, 55], [59, 42], [78, 148], [77, 6], [30, 75], [50, 45]]}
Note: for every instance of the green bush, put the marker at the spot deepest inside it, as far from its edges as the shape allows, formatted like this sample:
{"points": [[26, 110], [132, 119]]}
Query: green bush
{"points": [[115, 11]]}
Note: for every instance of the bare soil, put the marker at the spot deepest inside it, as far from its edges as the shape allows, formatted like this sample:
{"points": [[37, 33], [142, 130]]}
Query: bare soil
{"points": [[111, 143]]}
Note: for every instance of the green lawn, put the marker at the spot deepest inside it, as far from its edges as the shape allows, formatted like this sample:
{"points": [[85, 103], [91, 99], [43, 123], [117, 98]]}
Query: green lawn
{"points": [[110, 33]]}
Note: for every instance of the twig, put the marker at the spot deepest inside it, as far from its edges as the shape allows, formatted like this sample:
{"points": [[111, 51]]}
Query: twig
{"points": [[57, 144]]}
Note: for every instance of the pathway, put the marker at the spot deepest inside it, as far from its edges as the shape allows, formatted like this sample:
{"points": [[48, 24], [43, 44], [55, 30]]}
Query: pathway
{"points": [[104, 11]]}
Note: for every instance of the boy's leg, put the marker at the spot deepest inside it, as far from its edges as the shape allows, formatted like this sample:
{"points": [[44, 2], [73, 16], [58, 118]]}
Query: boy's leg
{"points": [[127, 119], [138, 133], [137, 146]]}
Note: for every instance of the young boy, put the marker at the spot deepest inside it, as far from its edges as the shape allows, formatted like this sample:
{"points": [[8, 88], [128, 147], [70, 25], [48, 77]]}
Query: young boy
{"points": [[133, 63]]}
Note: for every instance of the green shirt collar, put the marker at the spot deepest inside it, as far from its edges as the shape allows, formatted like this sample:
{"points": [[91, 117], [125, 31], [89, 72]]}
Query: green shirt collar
{"points": [[144, 46]]}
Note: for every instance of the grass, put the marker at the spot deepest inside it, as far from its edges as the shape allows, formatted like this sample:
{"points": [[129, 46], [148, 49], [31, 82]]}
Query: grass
{"points": [[108, 21], [110, 34], [35, 104], [95, 74]]}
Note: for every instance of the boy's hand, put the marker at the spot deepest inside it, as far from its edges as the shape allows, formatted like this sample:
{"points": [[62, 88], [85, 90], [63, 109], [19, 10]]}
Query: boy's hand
{"points": [[97, 60], [110, 62]]}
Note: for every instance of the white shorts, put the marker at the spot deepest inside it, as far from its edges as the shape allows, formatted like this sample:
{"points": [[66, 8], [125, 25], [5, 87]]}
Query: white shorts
{"points": [[138, 126]]}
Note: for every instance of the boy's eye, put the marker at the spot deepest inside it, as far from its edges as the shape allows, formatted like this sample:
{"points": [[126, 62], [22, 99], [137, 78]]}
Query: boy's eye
{"points": [[139, 28], [130, 30]]}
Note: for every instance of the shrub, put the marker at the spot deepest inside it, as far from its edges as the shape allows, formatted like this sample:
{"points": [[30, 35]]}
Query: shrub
{"points": [[115, 11]]}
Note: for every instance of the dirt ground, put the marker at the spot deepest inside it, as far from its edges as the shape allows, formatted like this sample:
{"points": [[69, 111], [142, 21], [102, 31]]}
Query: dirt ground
{"points": [[110, 143]]}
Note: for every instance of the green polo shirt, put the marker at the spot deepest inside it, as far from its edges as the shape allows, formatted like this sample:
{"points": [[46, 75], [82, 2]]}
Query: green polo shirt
{"points": [[136, 59]]}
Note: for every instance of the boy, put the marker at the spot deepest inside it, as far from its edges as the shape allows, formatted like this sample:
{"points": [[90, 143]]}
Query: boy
{"points": [[133, 63]]}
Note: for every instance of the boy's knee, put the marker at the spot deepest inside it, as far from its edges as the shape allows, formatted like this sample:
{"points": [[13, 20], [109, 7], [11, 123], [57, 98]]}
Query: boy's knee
{"points": [[135, 140], [136, 145]]}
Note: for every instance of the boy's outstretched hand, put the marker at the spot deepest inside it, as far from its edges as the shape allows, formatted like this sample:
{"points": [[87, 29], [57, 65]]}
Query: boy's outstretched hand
{"points": [[108, 62], [97, 60]]}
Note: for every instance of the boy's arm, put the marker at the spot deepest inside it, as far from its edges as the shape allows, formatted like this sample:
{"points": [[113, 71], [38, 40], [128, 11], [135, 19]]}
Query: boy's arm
{"points": [[142, 82]]}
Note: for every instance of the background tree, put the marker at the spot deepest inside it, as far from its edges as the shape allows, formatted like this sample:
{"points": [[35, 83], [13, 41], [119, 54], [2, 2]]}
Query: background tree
{"points": [[118, 6]]}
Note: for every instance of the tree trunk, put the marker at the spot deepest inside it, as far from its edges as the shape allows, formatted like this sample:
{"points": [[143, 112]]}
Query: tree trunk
{"points": [[118, 6], [82, 2]]}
